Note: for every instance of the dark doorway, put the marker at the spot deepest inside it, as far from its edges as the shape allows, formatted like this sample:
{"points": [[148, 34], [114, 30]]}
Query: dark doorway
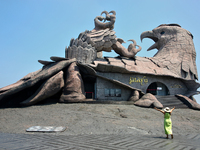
{"points": [[89, 85], [158, 88]]}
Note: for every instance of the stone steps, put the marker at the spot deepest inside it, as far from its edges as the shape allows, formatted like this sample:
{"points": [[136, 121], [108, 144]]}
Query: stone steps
{"points": [[171, 101]]}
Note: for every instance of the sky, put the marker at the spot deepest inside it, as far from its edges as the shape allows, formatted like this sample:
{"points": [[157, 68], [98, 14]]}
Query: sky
{"points": [[32, 30]]}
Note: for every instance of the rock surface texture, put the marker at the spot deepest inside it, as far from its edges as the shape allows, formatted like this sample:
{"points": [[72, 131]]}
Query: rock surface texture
{"points": [[135, 96], [148, 100], [22, 90], [49, 88], [192, 104], [74, 88]]}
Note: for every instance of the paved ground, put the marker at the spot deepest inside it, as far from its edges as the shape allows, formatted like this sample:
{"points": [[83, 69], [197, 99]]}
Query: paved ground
{"points": [[98, 142]]}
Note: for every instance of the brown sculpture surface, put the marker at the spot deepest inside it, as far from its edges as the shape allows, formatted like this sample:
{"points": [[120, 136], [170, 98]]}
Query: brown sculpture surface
{"points": [[101, 38], [74, 88], [49, 88], [148, 100], [192, 104], [176, 50], [176, 54]]}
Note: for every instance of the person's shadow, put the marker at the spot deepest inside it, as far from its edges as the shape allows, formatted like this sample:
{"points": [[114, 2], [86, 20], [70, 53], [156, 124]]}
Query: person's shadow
{"points": [[161, 137]]}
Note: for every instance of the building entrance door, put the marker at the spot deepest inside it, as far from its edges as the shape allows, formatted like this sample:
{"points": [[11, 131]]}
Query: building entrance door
{"points": [[89, 86], [158, 88]]}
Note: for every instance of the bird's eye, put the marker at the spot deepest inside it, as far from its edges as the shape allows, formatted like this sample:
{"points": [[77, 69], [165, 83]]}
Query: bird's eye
{"points": [[162, 32]]}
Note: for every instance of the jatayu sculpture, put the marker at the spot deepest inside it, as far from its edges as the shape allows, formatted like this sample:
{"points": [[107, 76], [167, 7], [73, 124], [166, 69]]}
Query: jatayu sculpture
{"points": [[176, 57], [175, 50]]}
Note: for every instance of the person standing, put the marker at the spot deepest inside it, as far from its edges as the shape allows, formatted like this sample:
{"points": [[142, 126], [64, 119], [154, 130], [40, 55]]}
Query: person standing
{"points": [[167, 120]]}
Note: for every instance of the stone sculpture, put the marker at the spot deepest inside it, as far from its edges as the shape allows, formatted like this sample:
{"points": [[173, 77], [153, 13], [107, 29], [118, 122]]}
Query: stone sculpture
{"points": [[73, 89], [101, 38], [43, 83], [190, 103], [175, 50], [148, 100], [63, 77]]}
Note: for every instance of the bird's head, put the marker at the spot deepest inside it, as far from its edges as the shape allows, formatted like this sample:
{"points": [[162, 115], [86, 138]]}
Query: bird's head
{"points": [[163, 34], [175, 49]]}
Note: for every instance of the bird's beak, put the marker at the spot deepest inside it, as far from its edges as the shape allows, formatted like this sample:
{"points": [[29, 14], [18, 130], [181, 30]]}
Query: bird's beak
{"points": [[151, 35]]}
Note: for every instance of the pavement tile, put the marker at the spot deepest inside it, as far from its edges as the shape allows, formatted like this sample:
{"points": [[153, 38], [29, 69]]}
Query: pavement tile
{"points": [[98, 142]]}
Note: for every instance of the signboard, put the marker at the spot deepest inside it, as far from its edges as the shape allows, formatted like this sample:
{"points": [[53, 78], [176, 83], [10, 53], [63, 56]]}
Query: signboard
{"points": [[159, 88]]}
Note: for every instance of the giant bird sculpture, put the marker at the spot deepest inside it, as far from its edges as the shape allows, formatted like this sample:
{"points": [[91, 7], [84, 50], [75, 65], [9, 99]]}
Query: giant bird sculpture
{"points": [[63, 78]]}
